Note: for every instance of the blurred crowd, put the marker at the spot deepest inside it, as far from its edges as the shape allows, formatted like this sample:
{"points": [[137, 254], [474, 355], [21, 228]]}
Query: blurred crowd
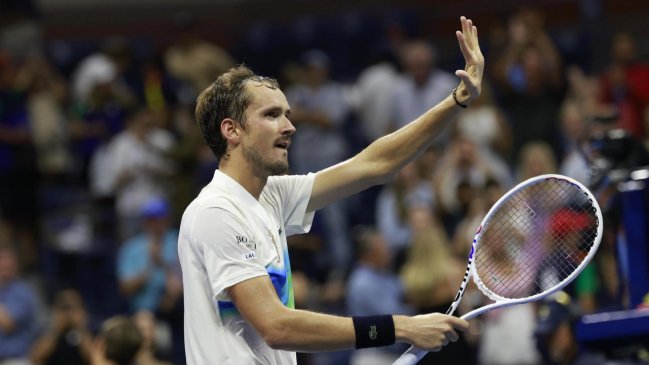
{"points": [[100, 155]]}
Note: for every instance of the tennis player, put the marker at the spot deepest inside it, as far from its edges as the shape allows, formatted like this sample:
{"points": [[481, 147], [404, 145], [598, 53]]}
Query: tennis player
{"points": [[239, 306]]}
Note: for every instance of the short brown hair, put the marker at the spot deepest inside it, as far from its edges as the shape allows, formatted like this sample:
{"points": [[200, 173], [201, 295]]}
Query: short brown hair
{"points": [[122, 338], [226, 97]]}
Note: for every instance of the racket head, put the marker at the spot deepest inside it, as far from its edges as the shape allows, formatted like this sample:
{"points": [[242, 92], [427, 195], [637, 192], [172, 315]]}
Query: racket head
{"points": [[548, 221]]}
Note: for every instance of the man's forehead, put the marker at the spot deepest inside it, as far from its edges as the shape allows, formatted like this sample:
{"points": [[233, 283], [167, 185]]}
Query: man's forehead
{"points": [[263, 95]]}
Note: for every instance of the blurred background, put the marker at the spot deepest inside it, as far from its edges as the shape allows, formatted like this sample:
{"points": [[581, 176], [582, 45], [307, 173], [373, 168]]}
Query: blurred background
{"points": [[99, 155]]}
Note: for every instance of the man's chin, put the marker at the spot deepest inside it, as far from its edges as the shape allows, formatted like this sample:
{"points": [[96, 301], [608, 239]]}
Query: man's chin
{"points": [[280, 168]]}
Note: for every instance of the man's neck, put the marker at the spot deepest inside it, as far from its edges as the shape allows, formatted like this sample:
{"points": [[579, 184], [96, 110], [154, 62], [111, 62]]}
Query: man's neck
{"points": [[241, 172]]}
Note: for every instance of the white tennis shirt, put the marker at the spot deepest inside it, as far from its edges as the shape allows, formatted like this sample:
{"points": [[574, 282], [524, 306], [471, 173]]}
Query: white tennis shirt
{"points": [[227, 236]]}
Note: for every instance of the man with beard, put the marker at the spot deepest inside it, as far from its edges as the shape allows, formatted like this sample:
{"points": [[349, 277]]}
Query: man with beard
{"points": [[239, 306]]}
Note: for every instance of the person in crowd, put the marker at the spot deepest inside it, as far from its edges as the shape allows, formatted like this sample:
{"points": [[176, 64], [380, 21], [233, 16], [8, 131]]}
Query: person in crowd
{"points": [[421, 85], [320, 111], [148, 271], [18, 307], [625, 84], [393, 203], [528, 75], [139, 165], [18, 163], [46, 101], [68, 340], [573, 121], [149, 353], [371, 279], [118, 342], [555, 335], [370, 97], [485, 124], [101, 103], [192, 59], [463, 168], [431, 275], [536, 158], [483, 199]]}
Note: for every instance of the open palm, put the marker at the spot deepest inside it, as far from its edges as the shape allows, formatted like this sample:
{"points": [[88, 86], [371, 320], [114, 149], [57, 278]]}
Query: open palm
{"points": [[471, 76]]}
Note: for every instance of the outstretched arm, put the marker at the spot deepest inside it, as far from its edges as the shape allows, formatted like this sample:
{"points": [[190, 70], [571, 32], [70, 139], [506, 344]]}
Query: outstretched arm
{"points": [[383, 158], [298, 330]]}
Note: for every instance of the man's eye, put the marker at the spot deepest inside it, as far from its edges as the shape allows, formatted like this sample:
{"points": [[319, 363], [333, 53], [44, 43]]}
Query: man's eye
{"points": [[272, 114]]}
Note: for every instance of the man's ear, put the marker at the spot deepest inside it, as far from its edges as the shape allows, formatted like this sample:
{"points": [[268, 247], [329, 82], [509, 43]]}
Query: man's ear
{"points": [[231, 131]]}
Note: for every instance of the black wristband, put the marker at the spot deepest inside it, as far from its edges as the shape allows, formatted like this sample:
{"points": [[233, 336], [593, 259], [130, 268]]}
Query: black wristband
{"points": [[374, 331], [455, 98]]}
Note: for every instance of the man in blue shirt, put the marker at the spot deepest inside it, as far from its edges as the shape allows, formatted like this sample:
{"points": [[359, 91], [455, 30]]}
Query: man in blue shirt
{"points": [[374, 289], [149, 272], [148, 262]]}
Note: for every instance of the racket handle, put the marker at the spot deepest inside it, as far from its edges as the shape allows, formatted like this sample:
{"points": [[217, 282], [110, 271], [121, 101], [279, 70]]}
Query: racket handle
{"points": [[411, 356]]}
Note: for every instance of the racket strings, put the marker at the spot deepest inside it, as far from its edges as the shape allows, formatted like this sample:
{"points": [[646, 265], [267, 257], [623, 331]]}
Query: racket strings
{"points": [[535, 239]]}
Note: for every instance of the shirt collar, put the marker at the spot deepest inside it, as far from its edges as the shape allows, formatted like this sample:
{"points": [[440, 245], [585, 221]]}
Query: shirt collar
{"points": [[232, 187]]}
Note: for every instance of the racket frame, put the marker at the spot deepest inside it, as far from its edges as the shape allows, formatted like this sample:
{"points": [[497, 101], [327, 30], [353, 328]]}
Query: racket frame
{"points": [[413, 355]]}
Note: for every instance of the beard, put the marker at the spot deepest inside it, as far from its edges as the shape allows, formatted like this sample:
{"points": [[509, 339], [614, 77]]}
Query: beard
{"points": [[261, 167]]}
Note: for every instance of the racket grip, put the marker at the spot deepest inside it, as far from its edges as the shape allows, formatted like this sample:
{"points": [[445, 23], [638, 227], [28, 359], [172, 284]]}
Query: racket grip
{"points": [[411, 356]]}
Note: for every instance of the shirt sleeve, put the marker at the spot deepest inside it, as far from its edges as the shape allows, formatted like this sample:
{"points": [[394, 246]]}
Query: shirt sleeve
{"points": [[228, 249], [292, 194]]}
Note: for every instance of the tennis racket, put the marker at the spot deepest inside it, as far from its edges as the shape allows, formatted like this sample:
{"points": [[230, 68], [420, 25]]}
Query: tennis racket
{"points": [[533, 242]]}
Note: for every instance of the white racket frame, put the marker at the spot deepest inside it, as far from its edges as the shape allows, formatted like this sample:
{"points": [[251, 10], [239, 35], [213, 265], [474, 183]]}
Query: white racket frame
{"points": [[413, 354]]}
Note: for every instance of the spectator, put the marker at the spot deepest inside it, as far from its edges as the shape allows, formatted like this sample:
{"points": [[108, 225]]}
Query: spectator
{"points": [[104, 69], [68, 340], [478, 208], [149, 273], [147, 264], [140, 165], [463, 168], [319, 111], [185, 156], [370, 280], [18, 325], [47, 95], [149, 352], [625, 84], [529, 74], [393, 204], [555, 335], [430, 277], [513, 326], [586, 92], [371, 98], [101, 104], [421, 85], [117, 343], [194, 60], [430, 270], [486, 126], [573, 163], [536, 158], [18, 168]]}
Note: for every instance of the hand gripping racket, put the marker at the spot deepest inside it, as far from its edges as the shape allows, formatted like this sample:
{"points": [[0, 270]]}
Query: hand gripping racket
{"points": [[533, 242]]}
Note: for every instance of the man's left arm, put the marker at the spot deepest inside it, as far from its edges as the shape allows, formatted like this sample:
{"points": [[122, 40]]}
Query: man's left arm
{"points": [[377, 163]]}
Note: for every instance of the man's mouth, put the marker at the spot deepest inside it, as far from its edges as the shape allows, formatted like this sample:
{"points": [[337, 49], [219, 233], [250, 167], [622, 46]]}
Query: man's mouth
{"points": [[283, 145]]}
